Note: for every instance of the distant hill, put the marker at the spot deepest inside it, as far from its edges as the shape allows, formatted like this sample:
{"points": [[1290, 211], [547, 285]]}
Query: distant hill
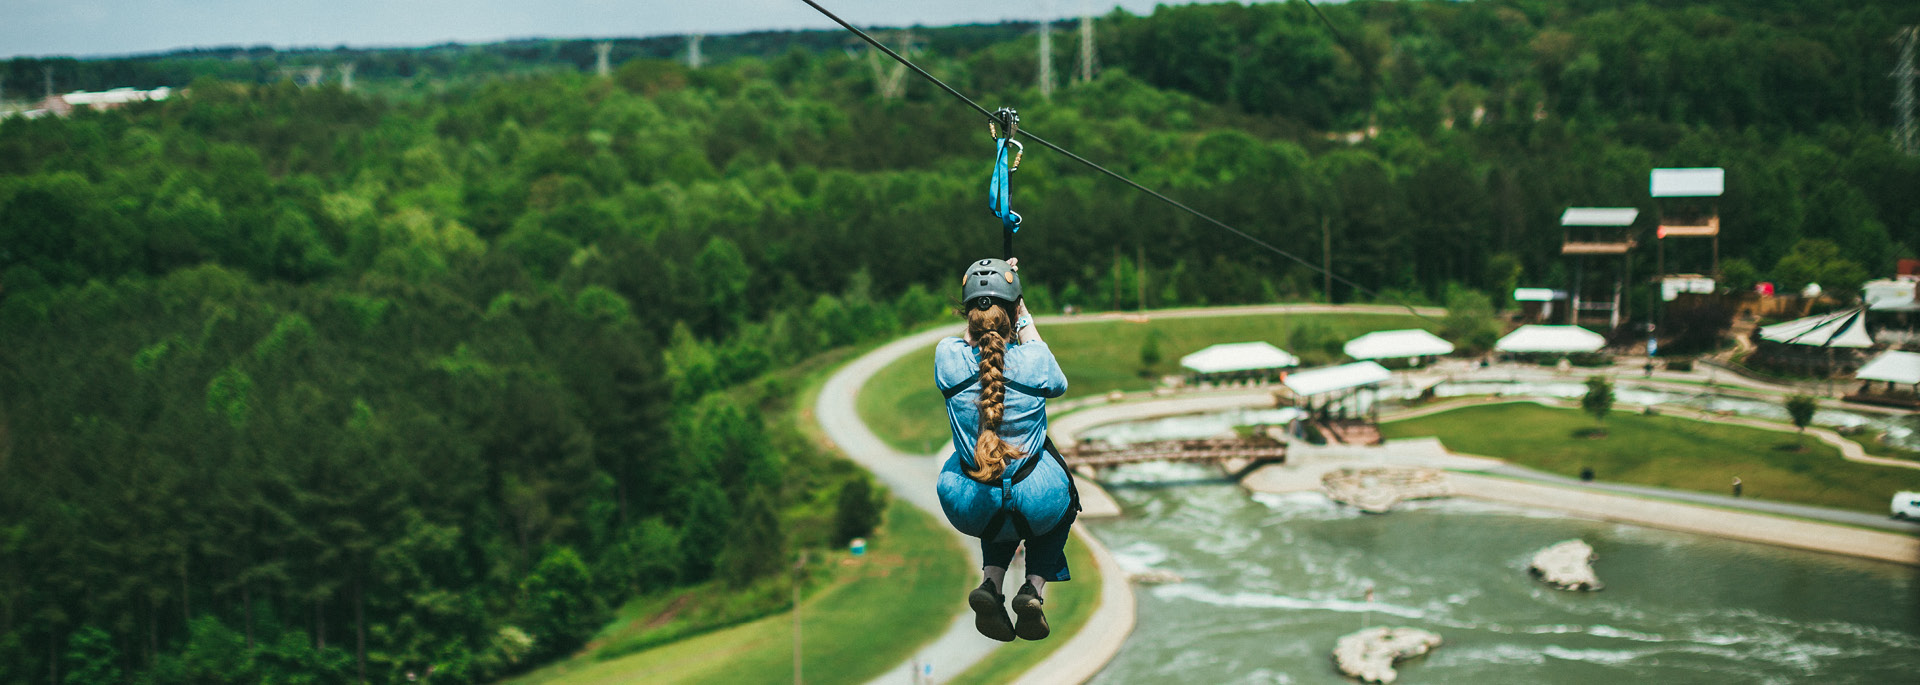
{"points": [[264, 64]]}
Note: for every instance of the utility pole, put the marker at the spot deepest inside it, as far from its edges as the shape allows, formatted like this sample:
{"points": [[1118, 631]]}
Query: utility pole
{"points": [[1904, 133], [798, 567], [1088, 54], [1326, 255], [693, 50], [47, 73], [1141, 273], [1116, 278], [1046, 58], [600, 65]]}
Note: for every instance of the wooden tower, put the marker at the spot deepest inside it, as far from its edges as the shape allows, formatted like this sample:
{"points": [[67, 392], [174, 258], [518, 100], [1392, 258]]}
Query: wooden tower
{"points": [[1588, 232]]}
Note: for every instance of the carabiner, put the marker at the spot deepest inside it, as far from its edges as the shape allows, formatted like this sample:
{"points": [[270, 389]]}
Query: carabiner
{"points": [[1018, 152]]}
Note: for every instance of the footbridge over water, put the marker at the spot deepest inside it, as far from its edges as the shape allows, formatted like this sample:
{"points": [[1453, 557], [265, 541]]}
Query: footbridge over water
{"points": [[1237, 456]]}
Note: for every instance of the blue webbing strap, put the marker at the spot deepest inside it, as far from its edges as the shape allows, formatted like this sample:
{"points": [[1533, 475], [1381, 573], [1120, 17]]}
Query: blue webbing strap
{"points": [[999, 192]]}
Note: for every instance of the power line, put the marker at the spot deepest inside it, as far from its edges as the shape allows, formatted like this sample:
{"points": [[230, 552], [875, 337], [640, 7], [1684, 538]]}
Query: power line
{"points": [[1903, 100], [1096, 167]]}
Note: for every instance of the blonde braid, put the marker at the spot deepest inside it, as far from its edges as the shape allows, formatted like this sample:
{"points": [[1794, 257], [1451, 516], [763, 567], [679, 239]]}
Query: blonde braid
{"points": [[991, 328]]}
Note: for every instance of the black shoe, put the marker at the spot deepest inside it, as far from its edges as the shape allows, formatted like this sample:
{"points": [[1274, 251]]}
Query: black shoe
{"points": [[1033, 622], [989, 614]]}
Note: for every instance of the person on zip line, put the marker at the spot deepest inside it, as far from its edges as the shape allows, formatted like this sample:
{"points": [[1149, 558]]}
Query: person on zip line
{"points": [[1004, 482]]}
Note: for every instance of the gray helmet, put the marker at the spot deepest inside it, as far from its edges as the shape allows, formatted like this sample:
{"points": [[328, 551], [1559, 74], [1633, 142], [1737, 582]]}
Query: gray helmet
{"points": [[989, 282]]}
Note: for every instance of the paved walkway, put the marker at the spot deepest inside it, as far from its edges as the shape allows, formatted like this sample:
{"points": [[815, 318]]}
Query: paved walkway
{"points": [[1734, 524], [1840, 516], [911, 478]]}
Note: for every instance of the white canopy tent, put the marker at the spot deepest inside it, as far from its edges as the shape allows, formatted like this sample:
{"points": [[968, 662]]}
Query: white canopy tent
{"points": [[1336, 378], [1550, 340], [1238, 357], [1892, 366], [1334, 395], [1411, 342], [1845, 328]]}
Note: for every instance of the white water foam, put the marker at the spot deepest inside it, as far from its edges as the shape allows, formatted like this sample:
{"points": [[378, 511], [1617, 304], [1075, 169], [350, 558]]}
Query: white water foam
{"points": [[1253, 600], [1261, 676], [1159, 471], [1595, 656], [1486, 654], [1596, 630], [1139, 556]]}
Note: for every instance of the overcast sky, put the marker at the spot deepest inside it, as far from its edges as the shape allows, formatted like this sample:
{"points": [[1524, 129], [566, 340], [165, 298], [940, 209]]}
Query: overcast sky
{"points": [[111, 27]]}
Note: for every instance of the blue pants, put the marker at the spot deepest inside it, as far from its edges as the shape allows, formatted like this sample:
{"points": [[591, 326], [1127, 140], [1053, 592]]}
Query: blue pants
{"points": [[1046, 553]]}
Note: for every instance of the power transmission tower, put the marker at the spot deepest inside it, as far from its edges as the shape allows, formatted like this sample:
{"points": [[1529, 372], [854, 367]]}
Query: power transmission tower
{"points": [[1903, 74], [600, 52], [1089, 56], [1046, 58], [304, 76], [890, 78], [693, 50], [346, 75]]}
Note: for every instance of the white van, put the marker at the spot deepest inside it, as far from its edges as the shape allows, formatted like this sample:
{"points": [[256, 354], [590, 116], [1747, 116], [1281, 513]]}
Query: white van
{"points": [[1906, 505]]}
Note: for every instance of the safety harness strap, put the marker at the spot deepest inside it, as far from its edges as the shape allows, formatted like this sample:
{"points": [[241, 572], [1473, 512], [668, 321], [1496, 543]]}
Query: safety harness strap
{"points": [[1008, 514], [960, 387]]}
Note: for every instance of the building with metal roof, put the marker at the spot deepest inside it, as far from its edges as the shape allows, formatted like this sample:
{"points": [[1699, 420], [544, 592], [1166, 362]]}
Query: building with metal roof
{"points": [[1688, 182], [1846, 328]]}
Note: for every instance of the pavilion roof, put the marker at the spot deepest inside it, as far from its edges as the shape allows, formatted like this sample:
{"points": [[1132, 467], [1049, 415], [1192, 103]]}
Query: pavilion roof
{"points": [[1411, 342], [1334, 378], [1245, 356], [1541, 338]]}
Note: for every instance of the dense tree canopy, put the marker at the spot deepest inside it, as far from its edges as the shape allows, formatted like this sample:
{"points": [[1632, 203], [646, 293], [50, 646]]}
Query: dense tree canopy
{"points": [[305, 381]]}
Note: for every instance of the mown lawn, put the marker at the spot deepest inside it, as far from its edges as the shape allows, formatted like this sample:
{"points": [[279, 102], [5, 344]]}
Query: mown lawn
{"points": [[1665, 451], [1101, 355], [1068, 606], [873, 615]]}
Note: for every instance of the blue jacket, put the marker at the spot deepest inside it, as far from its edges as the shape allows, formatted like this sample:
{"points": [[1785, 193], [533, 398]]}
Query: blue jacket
{"points": [[1032, 374]]}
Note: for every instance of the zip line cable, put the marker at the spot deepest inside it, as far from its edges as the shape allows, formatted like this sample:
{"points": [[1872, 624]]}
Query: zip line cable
{"points": [[1023, 130], [1337, 35]]}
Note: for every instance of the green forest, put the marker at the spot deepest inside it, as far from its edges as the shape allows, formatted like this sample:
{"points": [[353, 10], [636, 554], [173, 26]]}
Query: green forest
{"points": [[306, 384]]}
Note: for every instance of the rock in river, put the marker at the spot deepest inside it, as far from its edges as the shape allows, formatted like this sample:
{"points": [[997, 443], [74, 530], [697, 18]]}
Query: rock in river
{"points": [[1567, 565], [1369, 654], [1376, 489]]}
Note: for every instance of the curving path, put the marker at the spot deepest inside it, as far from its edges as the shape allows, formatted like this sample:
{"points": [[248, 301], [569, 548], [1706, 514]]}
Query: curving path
{"points": [[911, 478]]}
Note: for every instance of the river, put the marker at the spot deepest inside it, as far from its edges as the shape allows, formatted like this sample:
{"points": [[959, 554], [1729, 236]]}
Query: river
{"points": [[1271, 581]]}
